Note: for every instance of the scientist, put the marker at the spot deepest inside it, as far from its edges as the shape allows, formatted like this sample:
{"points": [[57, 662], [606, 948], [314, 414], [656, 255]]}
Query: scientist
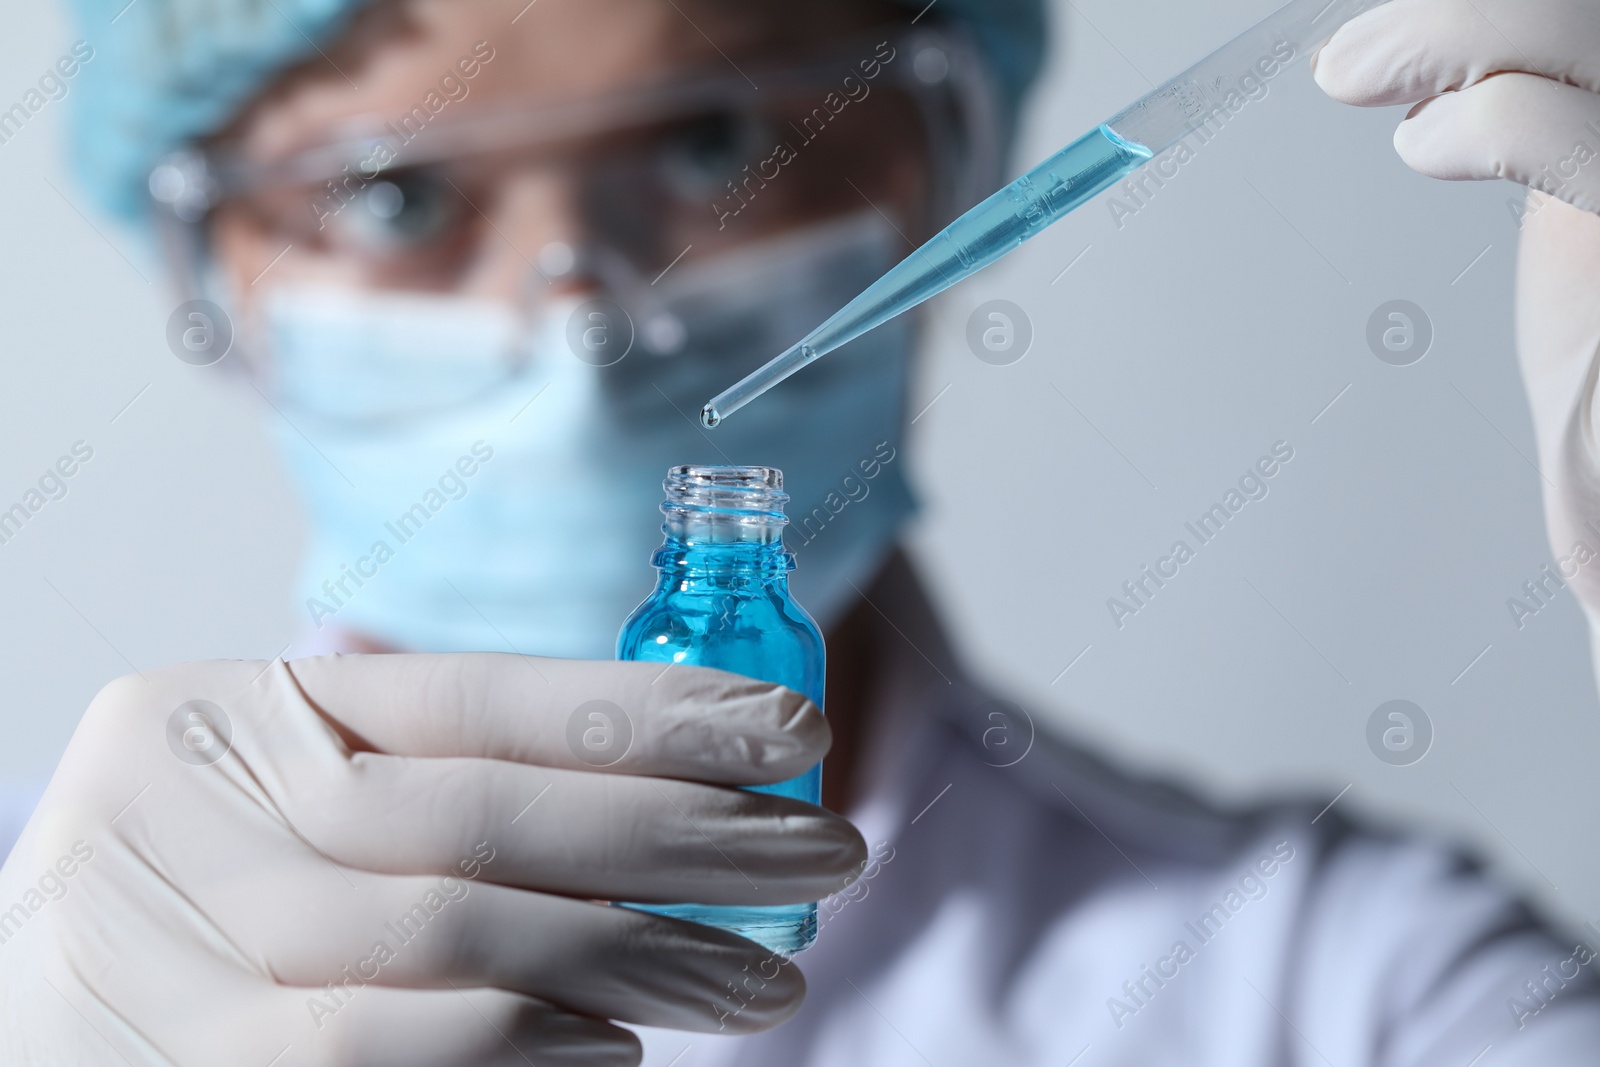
{"points": [[481, 260]]}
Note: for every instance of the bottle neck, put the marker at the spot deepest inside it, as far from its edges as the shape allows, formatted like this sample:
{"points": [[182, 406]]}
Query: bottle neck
{"points": [[724, 525], [688, 564]]}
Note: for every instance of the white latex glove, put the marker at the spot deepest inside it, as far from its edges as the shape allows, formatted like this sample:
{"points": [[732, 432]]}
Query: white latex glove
{"points": [[1558, 340], [164, 911], [1511, 89], [1502, 88]]}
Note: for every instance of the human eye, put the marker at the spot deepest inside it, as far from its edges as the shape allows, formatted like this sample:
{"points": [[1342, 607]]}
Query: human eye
{"points": [[399, 210], [699, 156]]}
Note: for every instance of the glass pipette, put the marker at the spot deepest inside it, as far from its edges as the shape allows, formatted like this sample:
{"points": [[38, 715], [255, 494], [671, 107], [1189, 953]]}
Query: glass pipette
{"points": [[1207, 93]]}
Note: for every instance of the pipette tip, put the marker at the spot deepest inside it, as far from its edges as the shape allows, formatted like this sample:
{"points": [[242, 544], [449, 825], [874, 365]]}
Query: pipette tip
{"points": [[709, 416]]}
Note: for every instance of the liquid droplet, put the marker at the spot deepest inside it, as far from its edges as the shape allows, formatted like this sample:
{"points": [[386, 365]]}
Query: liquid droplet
{"points": [[709, 416]]}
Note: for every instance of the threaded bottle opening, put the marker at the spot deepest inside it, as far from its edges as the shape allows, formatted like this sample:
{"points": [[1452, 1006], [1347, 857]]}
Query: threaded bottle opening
{"points": [[712, 504]]}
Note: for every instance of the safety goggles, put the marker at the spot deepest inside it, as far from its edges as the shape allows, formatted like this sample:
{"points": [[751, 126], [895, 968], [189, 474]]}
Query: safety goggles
{"points": [[689, 167]]}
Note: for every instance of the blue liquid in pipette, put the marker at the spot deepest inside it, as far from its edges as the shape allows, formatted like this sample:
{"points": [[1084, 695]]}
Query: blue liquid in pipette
{"points": [[982, 235], [1155, 122], [1016, 213]]}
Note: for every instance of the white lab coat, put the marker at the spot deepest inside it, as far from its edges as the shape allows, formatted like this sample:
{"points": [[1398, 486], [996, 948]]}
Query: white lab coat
{"points": [[1056, 912]]}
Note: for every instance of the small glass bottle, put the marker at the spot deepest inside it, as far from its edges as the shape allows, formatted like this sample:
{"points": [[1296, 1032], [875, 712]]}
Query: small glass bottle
{"points": [[723, 601]]}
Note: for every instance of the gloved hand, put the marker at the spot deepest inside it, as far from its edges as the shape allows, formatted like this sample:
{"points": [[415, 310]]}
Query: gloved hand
{"points": [[1502, 88], [1511, 89], [401, 860]]}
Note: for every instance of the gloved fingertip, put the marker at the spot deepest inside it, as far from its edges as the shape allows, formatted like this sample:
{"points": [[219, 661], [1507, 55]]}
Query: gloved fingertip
{"points": [[1364, 63], [802, 740], [1327, 64], [1409, 135], [1429, 141], [805, 719], [778, 1002], [1410, 146]]}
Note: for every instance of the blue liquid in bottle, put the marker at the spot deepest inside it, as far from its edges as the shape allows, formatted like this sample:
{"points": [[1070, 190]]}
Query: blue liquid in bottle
{"points": [[723, 601]]}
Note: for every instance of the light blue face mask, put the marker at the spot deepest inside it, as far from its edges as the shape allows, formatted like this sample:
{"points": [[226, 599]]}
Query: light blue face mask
{"points": [[471, 484]]}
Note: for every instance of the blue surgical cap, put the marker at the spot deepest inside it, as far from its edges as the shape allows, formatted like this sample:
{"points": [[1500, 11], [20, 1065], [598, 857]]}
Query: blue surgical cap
{"points": [[166, 72]]}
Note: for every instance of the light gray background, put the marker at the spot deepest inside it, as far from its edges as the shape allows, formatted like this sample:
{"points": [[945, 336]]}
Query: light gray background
{"points": [[1221, 318]]}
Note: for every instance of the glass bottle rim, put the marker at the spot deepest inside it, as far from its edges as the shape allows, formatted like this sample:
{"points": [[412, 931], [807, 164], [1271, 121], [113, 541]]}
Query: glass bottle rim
{"points": [[749, 491]]}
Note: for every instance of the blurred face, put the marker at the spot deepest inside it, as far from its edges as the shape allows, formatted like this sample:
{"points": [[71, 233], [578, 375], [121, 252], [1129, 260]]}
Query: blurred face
{"points": [[415, 221], [494, 179]]}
